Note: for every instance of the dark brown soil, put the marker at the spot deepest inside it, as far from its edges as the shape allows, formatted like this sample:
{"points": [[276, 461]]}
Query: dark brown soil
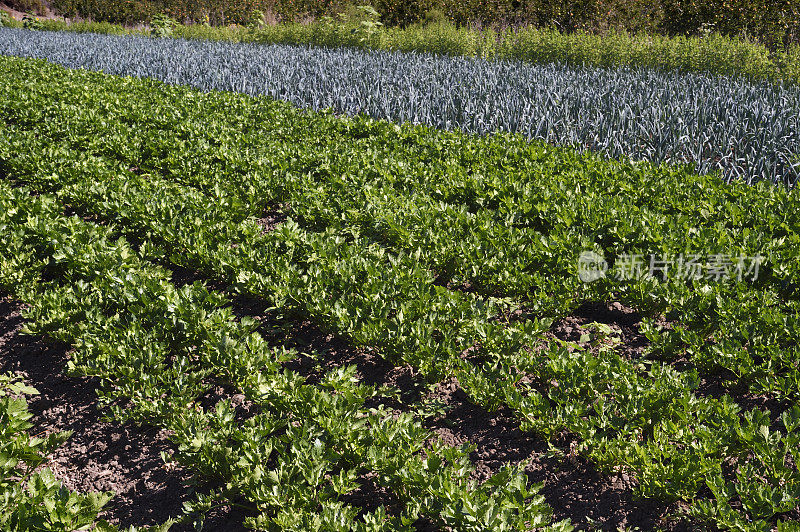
{"points": [[126, 459], [100, 455], [273, 217], [624, 322], [571, 486]]}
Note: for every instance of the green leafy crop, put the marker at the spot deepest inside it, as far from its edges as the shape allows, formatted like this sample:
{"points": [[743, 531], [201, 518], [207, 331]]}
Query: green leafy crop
{"points": [[30, 497], [162, 25], [743, 130], [447, 252]]}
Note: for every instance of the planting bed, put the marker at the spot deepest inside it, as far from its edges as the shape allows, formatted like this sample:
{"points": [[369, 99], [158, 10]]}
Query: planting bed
{"points": [[301, 320]]}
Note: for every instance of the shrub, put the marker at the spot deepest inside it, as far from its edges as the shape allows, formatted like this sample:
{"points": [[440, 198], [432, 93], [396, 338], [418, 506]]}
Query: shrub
{"points": [[32, 23], [790, 64], [162, 25], [774, 22]]}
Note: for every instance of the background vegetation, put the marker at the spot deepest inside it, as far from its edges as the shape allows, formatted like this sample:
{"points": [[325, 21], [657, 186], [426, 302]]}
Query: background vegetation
{"points": [[360, 27], [775, 23]]}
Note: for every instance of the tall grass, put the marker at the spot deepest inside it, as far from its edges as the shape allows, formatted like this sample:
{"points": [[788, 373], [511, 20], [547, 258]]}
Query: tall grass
{"points": [[712, 53]]}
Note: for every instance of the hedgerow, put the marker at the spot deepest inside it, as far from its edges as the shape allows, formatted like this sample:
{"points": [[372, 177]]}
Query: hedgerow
{"points": [[711, 53], [772, 22]]}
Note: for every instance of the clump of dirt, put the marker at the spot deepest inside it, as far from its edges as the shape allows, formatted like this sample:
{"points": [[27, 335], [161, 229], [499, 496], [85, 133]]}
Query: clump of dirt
{"points": [[273, 217], [624, 322]]}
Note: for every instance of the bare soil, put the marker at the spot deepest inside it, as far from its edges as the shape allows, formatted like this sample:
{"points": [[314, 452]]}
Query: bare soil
{"points": [[624, 322], [126, 459], [100, 455]]}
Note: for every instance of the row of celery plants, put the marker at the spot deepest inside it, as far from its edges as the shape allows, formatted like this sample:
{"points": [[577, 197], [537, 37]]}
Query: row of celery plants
{"points": [[513, 233], [627, 414], [160, 350]]}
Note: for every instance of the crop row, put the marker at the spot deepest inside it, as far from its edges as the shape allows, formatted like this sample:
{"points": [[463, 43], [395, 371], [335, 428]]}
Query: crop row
{"points": [[30, 496], [641, 417], [747, 130], [441, 200], [161, 350]]}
